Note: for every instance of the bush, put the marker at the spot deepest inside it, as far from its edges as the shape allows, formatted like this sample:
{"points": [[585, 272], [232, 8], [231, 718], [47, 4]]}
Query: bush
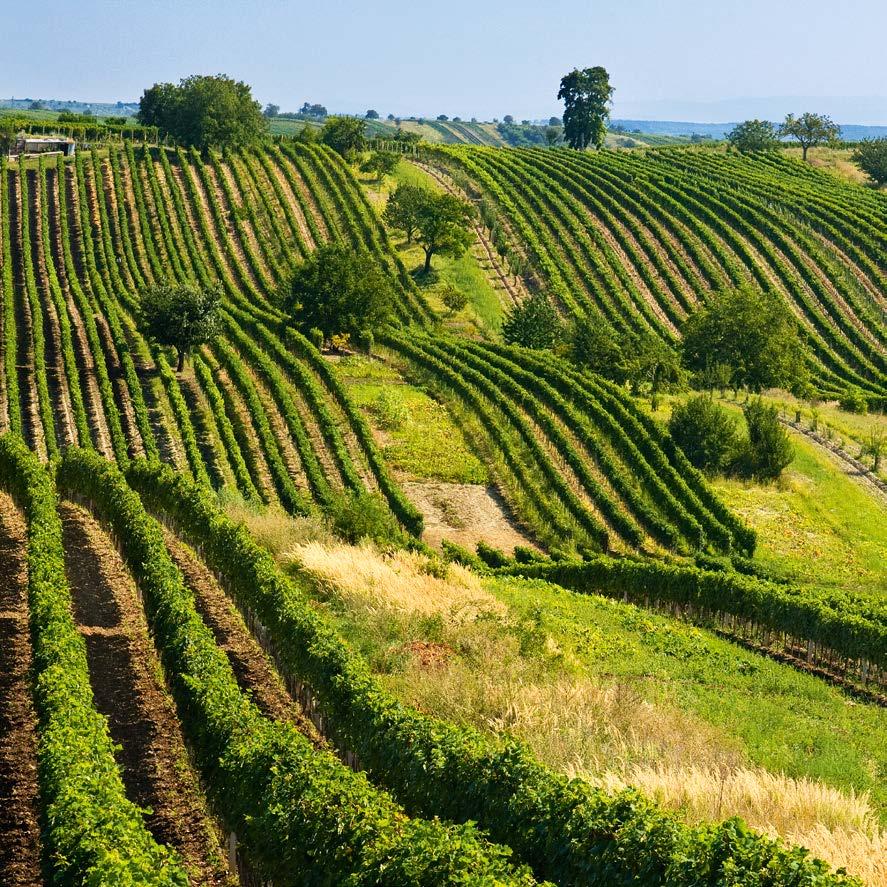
{"points": [[454, 299], [492, 557], [365, 340], [356, 517], [768, 449], [534, 323], [315, 336], [705, 432], [854, 401], [871, 157]]}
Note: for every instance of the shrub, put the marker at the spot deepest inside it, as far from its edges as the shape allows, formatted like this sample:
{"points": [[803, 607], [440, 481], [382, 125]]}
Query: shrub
{"points": [[365, 340], [534, 323], [315, 336], [492, 557], [357, 516], [454, 299], [854, 401], [768, 449], [705, 432]]}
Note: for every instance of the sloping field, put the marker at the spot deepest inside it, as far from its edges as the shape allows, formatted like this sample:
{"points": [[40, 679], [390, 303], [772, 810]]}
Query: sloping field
{"points": [[640, 239]]}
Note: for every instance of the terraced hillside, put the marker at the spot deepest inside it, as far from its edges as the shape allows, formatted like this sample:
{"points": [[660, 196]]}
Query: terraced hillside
{"points": [[261, 412], [640, 239]]}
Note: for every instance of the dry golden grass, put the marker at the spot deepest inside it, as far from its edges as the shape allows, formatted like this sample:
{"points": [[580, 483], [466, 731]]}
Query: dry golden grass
{"points": [[839, 827], [496, 674]]}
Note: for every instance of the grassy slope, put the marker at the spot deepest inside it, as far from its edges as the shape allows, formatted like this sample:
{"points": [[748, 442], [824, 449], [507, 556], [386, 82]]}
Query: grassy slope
{"points": [[418, 437], [484, 311]]}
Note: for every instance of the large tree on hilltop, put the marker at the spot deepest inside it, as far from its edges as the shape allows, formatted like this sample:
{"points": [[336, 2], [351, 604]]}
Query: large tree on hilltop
{"points": [[586, 95], [753, 135], [810, 130], [204, 111]]}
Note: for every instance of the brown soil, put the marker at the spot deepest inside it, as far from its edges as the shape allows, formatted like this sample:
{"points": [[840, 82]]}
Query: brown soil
{"points": [[252, 667], [430, 654], [19, 828], [465, 514], [124, 673], [205, 430]]}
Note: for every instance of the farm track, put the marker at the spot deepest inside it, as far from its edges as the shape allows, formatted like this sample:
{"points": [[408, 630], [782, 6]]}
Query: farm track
{"points": [[124, 673], [19, 822]]}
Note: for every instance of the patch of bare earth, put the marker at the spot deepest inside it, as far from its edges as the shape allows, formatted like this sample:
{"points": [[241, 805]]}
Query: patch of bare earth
{"points": [[19, 829], [465, 514], [128, 690]]}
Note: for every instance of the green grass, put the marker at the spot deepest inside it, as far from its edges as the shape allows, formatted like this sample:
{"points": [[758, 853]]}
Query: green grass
{"points": [[484, 310], [419, 439]]}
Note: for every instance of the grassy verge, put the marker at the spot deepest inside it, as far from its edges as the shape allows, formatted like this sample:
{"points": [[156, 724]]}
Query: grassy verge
{"points": [[417, 435], [484, 311]]}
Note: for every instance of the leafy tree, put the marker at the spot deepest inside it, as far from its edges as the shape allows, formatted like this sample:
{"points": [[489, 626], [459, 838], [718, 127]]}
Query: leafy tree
{"points": [[706, 433], [753, 333], [596, 346], [181, 315], [508, 119], [36, 106], [204, 111], [371, 115], [315, 110], [454, 299], [402, 209], [871, 157], [382, 163], [442, 117], [345, 135], [339, 291], [533, 323], [443, 226], [390, 117], [754, 135], [768, 449], [853, 400], [271, 110], [809, 130], [586, 95], [552, 135], [554, 121]]}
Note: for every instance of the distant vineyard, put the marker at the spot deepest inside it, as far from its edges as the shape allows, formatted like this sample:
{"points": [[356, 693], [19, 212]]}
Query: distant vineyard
{"points": [[639, 240]]}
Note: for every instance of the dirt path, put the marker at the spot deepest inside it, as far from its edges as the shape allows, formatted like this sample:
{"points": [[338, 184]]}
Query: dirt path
{"points": [[19, 827], [124, 673], [849, 465], [465, 514]]}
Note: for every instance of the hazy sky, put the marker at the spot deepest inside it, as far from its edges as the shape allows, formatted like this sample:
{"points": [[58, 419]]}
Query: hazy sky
{"points": [[465, 57]]}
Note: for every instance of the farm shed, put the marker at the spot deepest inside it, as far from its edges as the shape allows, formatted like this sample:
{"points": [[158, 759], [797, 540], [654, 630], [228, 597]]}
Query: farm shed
{"points": [[28, 144]]}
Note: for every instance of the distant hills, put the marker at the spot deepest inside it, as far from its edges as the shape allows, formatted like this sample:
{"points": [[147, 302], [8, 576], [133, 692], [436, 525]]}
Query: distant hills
{"points": [[851, 132]]}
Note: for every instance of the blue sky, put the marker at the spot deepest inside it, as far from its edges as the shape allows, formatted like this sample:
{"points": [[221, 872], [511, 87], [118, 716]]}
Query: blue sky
{"points": [[707, 60]]}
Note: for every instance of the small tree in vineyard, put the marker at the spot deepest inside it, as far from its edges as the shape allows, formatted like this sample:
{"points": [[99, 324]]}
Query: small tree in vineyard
{"points": [[810, 130], [533, 323], [181, 315], [402, 209], [871, 157], [443, 226]]}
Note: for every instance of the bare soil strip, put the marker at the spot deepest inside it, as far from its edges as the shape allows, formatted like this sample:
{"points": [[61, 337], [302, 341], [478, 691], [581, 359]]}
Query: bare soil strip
{"points": [[19, 828], [252, 667], [124, 673]]}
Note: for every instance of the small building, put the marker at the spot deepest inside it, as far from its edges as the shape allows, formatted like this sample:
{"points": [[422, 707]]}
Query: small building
{"points": [[31, 145]]}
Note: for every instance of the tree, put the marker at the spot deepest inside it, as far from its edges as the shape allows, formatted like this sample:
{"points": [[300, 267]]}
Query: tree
{"points": [[344, 134], [753, 333], [533, 323], [312, 110], [875, 447], [753, 135], [554, 121], [586, 95], [768, 449], [371, 115], [204, 111], [871, 157], [454, 299], [809, 130], [443, 225], [271, 110], [442, 117], [706, 433], [339, 290], [552, 135], [390, 117], [508, 119], [382, 163], [181, 315], [402, 209]]}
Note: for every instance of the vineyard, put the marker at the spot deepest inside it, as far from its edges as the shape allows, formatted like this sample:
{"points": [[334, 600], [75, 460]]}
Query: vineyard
{"points": [[639, 240], [155, 733]]}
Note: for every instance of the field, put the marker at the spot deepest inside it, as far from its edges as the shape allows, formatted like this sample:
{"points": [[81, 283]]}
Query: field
{"points": [[201, 682]]}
